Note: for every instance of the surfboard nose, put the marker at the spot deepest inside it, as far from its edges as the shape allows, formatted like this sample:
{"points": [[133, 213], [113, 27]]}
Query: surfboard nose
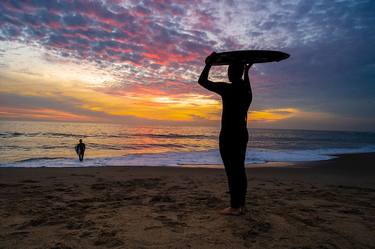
{"points": [[283, 56]]}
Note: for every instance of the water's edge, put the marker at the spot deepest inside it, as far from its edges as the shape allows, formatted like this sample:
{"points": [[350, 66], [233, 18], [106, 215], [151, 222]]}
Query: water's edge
{"points": [[190, 159]]}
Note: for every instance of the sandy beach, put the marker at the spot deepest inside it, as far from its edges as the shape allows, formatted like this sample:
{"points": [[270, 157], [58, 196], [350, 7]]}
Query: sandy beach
{"points": [[327, 204]]}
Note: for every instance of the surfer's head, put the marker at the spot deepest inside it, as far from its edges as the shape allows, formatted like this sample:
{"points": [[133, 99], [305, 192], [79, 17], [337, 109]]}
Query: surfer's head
{"points": [[235, 72], [80, 140]]}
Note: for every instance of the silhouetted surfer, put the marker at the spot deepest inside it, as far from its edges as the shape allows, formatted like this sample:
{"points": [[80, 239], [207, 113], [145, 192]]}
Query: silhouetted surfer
{"points": [[236, 98], [80, 149]]}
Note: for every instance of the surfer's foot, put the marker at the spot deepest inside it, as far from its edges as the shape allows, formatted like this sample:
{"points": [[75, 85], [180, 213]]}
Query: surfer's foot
{"points": [[231, 211]]}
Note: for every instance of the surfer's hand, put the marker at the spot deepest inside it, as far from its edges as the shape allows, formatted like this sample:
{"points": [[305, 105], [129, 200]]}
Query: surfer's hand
{"points": [[247, 66], [210, 59]]}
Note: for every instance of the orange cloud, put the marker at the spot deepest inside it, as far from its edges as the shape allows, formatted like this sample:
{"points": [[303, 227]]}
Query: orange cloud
{"points": [[41, 114], [270, 115]]}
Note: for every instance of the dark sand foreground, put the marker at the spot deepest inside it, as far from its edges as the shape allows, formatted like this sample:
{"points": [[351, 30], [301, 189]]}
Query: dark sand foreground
{"points": [[325, 205]]}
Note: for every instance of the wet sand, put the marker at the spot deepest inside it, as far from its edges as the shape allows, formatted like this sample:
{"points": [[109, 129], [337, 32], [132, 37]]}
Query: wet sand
{"points": [[327, 204]]}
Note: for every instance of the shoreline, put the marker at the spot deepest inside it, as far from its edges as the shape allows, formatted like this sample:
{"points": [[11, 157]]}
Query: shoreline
{"points": [[213, 166], [323, 204], [205, 158], [216, 166]]}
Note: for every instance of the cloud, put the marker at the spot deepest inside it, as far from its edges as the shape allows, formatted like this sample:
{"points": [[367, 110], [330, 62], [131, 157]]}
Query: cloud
{"points": [[160, 45], [42, 114], [272, 115], [100, 31], [59, 104]]}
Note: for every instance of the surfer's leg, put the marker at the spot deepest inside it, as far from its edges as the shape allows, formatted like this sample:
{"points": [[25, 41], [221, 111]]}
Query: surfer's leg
{"points": [[228, 151], [236, 175], [238, 172], [225, 152], [234, 208], [226, 162], [242, 178]]}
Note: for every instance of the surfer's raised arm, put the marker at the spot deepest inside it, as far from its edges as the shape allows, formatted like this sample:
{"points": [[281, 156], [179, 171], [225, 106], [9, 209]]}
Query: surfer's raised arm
{"points": [[217, 87], [247, 79]]}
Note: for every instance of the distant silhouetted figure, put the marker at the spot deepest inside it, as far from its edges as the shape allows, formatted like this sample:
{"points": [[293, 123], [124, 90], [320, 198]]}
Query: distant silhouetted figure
{"points": [[80, 149], [236, 97]]}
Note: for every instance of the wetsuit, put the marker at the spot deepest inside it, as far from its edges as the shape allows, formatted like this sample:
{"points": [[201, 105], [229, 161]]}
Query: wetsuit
{"points": [[233, 139], [236, 98], [80, 149]]}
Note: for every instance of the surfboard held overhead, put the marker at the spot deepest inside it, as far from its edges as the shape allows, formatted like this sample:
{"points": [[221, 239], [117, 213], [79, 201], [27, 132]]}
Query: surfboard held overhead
{"points": [[249, 56]]}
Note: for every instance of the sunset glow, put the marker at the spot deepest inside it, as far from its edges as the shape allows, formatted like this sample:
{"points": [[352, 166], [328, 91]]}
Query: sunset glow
{"points": [[139, 61]]}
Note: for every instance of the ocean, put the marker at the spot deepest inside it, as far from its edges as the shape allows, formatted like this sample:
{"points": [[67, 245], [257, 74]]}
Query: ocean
{"points": [[51, 144]]}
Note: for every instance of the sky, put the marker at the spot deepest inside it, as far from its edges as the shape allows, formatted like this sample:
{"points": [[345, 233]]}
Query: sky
{"points": [[138, 62]]}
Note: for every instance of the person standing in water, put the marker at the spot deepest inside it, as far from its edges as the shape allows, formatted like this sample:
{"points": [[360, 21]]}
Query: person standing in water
{"points": [[236, 98], [80, 149]]}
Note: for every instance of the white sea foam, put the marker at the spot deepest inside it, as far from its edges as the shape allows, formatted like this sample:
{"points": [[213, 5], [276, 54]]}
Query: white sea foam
{"points": [[212, 157]]}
